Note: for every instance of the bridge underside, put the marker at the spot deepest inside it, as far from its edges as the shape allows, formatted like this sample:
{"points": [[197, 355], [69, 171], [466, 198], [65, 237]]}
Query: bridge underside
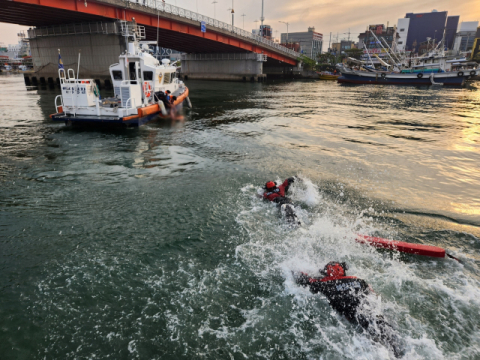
{"points": [[171, 34]]}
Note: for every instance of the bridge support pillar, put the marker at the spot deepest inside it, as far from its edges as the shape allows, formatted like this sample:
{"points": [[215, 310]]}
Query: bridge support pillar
{"points": [[100, 45], [229, 67]]}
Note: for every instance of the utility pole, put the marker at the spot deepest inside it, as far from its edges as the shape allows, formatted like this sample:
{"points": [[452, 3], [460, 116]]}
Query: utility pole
{"points": [[243, 15], [262, 19], [214, 9], [329, 42]]}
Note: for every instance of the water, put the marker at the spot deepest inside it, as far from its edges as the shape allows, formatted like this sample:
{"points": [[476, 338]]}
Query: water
{"points": [[151, 242]]}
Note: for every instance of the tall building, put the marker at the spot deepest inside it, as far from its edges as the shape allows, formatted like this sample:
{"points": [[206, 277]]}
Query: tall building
{"points": [[310, 42], [402, 30], [466, 36], [431, 25]]}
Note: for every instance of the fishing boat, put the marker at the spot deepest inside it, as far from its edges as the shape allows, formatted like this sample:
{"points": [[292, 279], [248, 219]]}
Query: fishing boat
{"points": [[141, 86], [354, 76], [326, 75], [433, 68]]}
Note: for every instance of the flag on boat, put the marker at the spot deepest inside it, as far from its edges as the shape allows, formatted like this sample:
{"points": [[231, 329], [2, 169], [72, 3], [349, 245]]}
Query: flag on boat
{"points": [[60, 62]]}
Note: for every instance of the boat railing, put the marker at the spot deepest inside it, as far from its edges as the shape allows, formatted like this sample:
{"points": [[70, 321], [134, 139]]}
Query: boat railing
{"points": [[61, 102], [131, 100]]}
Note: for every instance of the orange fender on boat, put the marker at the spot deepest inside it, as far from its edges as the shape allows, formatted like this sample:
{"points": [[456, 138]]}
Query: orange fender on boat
{"points": [[147, 110], [181, 97]]}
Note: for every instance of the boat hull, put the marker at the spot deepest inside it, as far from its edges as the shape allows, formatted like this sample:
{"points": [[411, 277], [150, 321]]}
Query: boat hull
{"points": [[328, 77], [400, 79], [143, 116]]}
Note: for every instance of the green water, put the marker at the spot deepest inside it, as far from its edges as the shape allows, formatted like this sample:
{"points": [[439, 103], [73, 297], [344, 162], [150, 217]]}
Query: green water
{"points": [[151, 243]]}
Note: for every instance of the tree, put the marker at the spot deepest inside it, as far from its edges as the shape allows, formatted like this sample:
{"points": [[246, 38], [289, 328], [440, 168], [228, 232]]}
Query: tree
{"points": [[354, 53], [326, 58], [308, 64]]}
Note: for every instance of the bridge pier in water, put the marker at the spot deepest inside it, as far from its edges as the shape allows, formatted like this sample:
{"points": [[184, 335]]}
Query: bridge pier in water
{"points": [[100, 45], [230, 67]]}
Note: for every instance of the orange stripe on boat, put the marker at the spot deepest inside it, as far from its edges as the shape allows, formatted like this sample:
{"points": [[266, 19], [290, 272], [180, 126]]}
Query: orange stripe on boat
{"points": [[130, 117]]}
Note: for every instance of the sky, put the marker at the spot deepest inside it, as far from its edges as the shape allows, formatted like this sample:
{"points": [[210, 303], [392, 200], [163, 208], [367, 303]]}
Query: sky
{"points": [[336, 16]]}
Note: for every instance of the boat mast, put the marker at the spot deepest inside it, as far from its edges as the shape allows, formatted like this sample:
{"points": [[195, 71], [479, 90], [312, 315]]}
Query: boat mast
{"points": [[378, 41], [369, 55]]}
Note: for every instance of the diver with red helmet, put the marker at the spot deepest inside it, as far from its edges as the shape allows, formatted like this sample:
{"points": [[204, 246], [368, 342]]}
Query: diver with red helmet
{"points": [[277, 194], [349, 296]]}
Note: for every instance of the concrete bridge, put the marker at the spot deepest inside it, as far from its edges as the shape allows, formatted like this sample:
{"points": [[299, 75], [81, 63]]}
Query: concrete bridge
{"points": [[177, 28]]}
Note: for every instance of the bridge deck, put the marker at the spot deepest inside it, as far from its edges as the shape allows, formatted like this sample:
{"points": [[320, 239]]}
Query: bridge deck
{"points": [[175, 32]]}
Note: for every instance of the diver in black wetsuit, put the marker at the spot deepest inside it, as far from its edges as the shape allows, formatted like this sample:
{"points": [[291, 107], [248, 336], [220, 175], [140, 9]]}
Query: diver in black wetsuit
{"points": [[277, 194], [347, 294]]}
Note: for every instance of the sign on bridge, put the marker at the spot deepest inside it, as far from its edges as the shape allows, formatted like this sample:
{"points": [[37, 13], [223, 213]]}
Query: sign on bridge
{"points": [[203, 26]]}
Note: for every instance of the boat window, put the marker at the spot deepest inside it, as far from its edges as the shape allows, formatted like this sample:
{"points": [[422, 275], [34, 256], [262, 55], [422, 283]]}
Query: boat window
{"points": [[174, 75], [147, 75], [131, 68], [166, 78], [139, 73], [117, 75], [402, 29]]}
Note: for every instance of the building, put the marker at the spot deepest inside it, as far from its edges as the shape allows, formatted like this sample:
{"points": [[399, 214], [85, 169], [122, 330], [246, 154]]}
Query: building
{"points": [[402, 30], [266, 31], [476, 47], [310, 42], [368, 39], [430, 25], [341, 46], [465, 36]]}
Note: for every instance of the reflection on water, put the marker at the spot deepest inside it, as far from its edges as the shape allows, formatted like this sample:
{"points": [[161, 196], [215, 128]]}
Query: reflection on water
{"points": [[140, 242]]}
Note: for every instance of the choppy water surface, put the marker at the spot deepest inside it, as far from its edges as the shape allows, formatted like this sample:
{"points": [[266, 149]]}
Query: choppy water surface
{"points": [[151, 243]]}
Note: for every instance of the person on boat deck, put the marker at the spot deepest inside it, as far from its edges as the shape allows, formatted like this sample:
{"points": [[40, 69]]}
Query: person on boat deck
{"points": [[349, 296], [168, 92], [171, 106], [277, 194]]}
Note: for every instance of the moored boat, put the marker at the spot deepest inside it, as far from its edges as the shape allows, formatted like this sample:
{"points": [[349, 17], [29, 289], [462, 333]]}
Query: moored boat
{"points": [[395, 78], [326, 75], [144, 89]]}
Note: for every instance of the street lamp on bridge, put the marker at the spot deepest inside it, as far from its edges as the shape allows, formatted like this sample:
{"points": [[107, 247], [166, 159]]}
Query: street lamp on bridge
{"points": [[287, 30], [233, 13], [214, 9]]}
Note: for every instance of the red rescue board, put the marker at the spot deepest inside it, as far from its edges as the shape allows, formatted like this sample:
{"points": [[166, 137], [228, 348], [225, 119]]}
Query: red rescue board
{"points": [[425, 250]]}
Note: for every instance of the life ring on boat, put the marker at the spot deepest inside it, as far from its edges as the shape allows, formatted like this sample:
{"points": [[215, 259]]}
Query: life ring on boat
{"points": [[419, 75], [460, 73], [147, 89], [383, 76], [473, 72]]}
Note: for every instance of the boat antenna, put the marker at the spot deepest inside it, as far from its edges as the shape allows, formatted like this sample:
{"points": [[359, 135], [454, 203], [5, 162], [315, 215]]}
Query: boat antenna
{"points": [[76, 82], [158, 27]]}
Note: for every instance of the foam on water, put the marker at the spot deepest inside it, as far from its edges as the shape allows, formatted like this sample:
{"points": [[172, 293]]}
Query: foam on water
{"points": [[427, 300]]}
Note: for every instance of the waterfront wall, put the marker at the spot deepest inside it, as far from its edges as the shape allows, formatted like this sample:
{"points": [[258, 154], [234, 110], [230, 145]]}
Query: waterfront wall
{"points": [[231, 67]]}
